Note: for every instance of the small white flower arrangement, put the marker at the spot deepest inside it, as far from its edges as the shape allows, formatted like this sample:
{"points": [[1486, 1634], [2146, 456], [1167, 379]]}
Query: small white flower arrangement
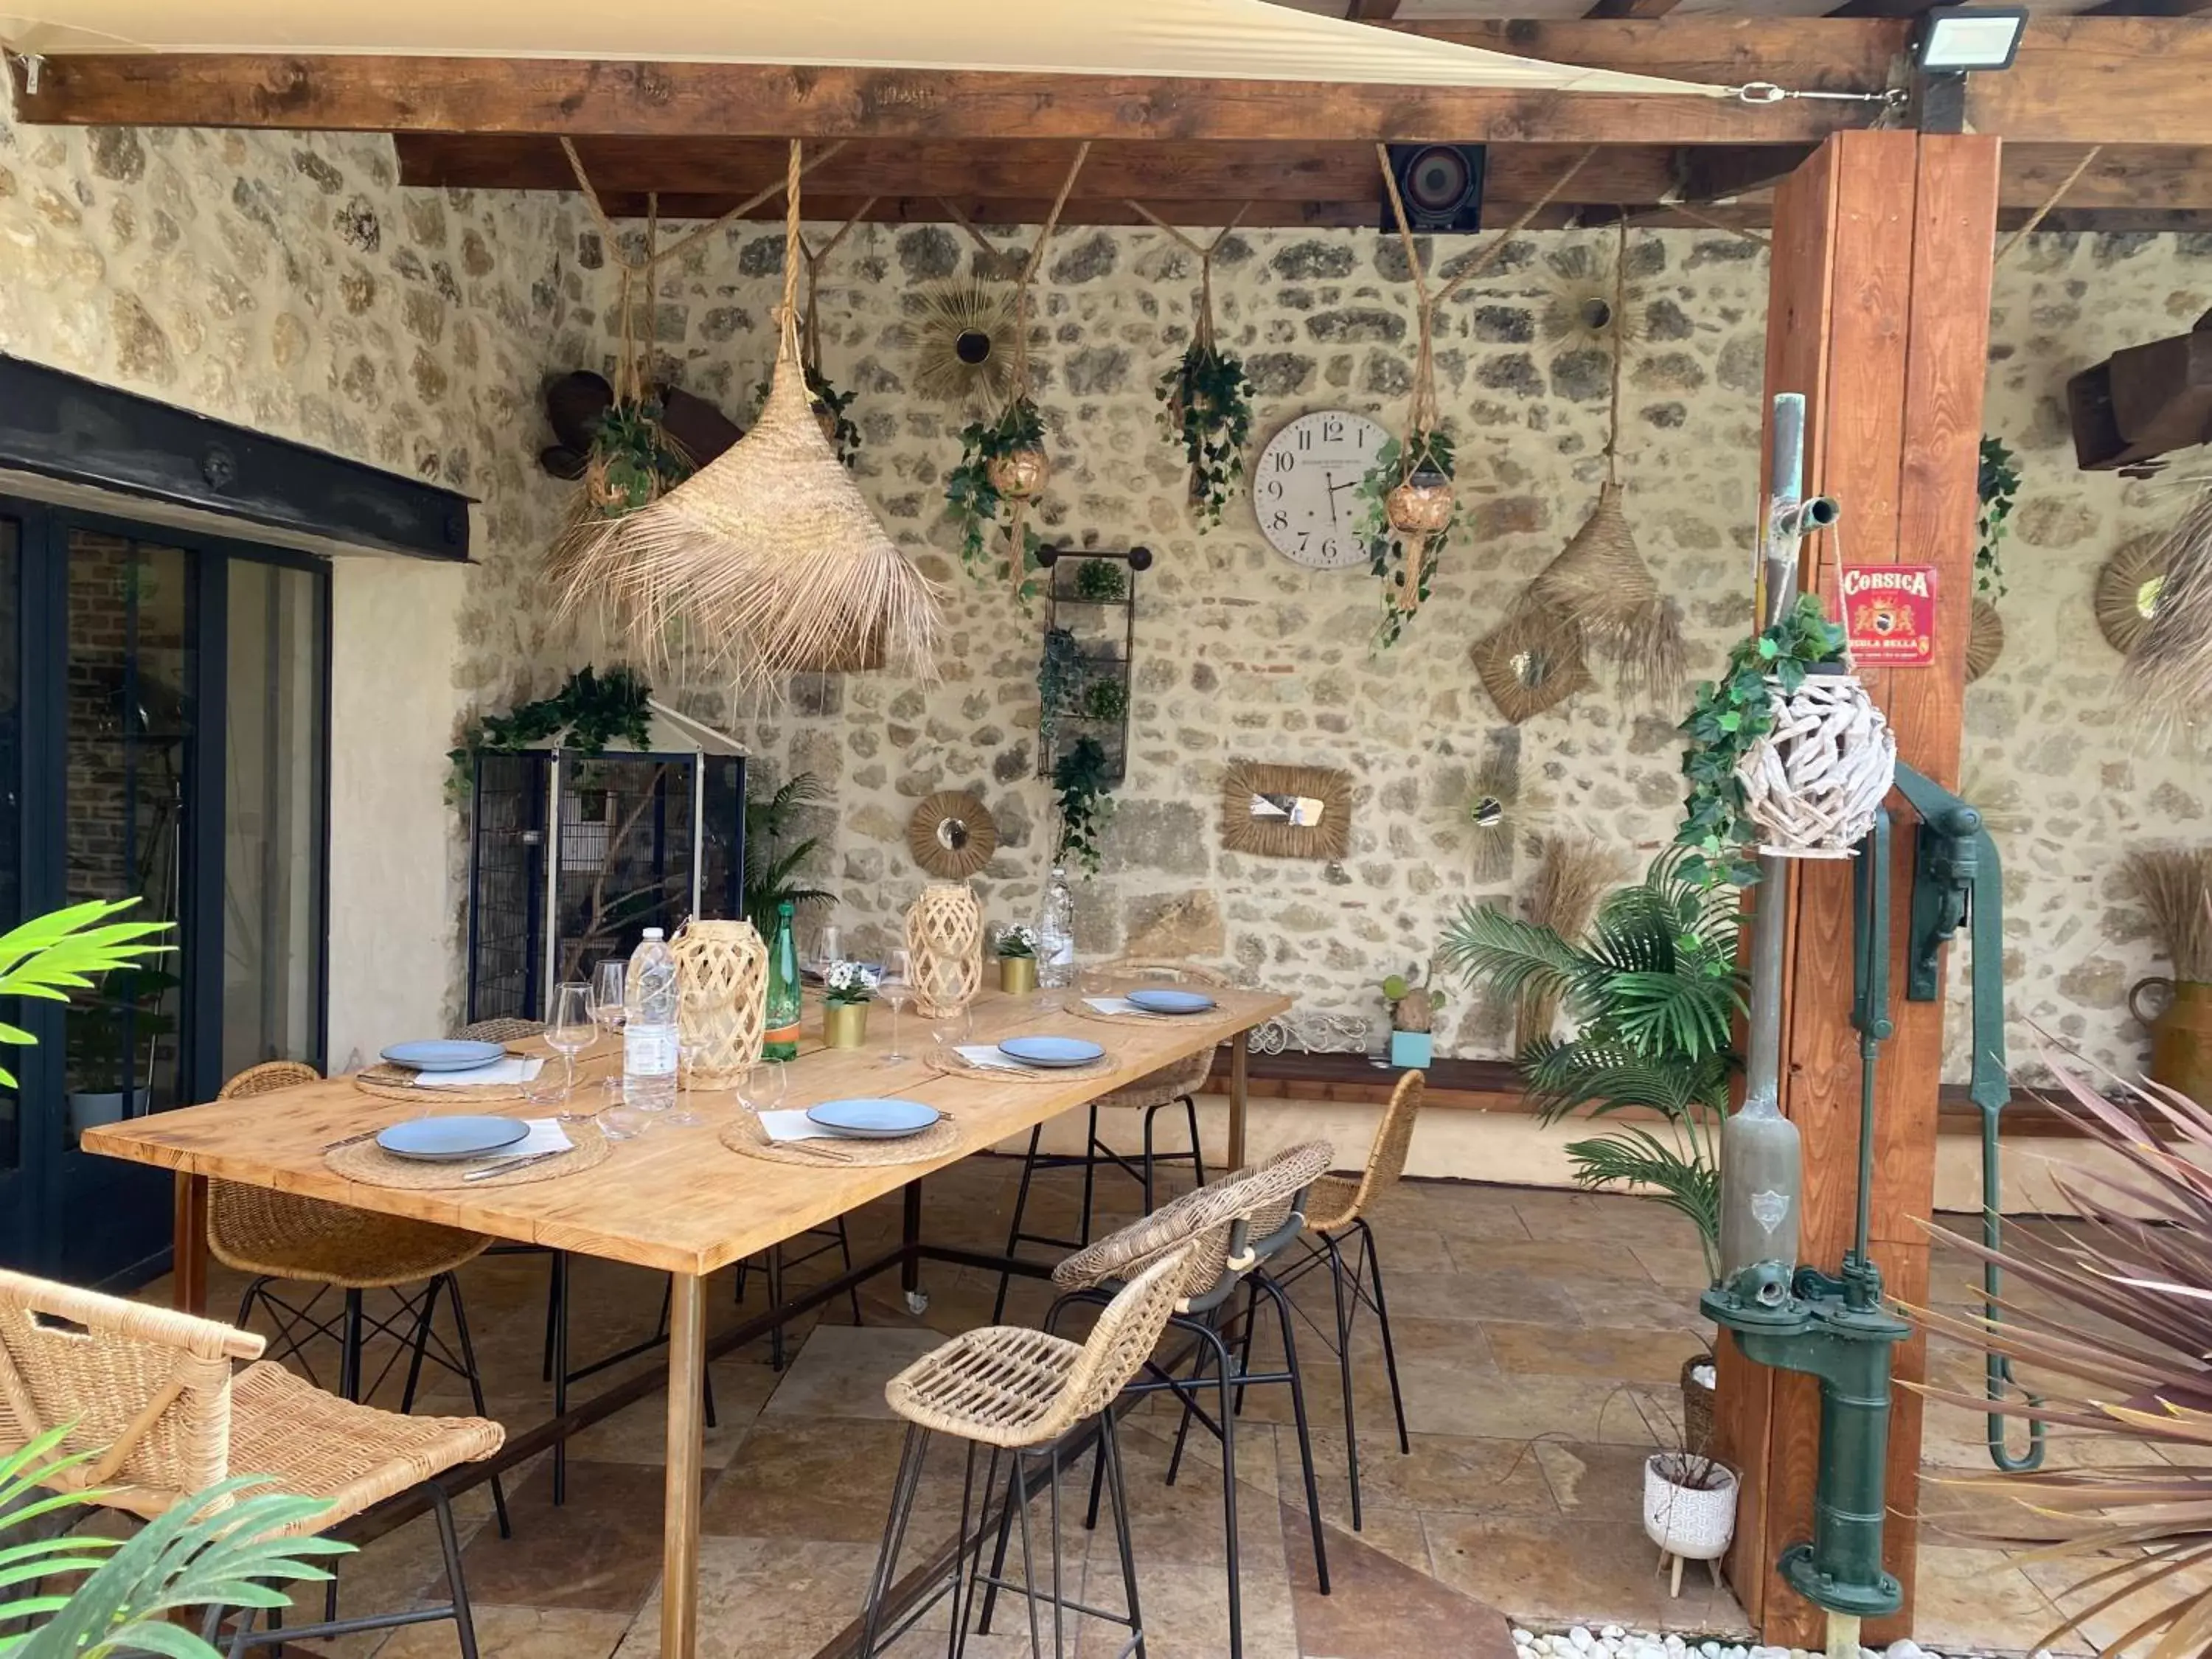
{"points": [[1017, 938], [846, 983]]}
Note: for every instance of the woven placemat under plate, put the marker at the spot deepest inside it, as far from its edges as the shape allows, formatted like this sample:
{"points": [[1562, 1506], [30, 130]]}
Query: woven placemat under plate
{"points": [[745, 1135], [1087, 1011], [365, 1161], [953, 1066], [398, 1083]]}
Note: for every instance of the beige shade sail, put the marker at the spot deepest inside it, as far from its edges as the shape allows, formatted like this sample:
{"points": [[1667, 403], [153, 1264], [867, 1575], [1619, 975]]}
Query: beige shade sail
{"points": [[1236, 39]]}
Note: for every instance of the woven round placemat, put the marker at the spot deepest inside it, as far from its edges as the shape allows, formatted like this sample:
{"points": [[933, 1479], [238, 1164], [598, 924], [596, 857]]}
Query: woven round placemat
{"points": [[953, 1066], [366, 1161], [398, 1083], [1087, 1011], [744, 1134]]}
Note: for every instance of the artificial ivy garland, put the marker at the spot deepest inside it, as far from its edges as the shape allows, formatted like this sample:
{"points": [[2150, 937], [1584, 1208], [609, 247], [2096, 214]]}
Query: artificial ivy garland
{"points": [[632, 460], [1206, 401], [1404, 569], [1060, 673], [1727, 720], [1999, 484], [592, 709], [1081, 792], [976, 504]]}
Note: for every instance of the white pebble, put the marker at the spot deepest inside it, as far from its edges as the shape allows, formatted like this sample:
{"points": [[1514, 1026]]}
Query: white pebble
{"points": [[1523, 1638], [1612, 1632], [1905, 1647], [1711, 1649], [1581, 1638]]}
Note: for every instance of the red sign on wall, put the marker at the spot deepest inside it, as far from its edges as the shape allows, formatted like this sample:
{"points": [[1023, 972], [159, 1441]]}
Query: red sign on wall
{"points": [[1890, 610]]}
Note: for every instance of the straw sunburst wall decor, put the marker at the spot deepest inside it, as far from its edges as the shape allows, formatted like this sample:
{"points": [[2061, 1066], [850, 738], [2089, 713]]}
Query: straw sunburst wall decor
{"points": [[961, 335]]}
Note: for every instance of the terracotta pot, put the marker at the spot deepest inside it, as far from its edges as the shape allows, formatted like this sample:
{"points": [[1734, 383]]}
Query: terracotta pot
{"points": [[1020, 475], [1017, 976], [845, 1024], [2180, 1034], [1421, 505]]}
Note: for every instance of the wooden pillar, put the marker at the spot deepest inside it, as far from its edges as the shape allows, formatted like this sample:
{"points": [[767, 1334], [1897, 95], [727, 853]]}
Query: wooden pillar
{"points": [[1878, 311]]}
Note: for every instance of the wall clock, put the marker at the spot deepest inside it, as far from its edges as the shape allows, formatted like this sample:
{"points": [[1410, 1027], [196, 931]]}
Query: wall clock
{"points": [[1305, 490]]}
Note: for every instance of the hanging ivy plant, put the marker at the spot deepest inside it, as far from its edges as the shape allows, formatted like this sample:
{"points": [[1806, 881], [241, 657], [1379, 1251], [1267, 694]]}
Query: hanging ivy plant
{"points": [[1060, 672], [1082, 794], [978, 507], [1206, 401], [633, 460], [1388, 550], [1728, 717], [1101, 581], [593, 709], [2000, 484]]}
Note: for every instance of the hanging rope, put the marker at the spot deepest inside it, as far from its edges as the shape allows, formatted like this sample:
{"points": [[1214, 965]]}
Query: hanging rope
{"points": [[1619, 351], [1204, 330], [2043, 212], [814, 257], [999, 264], [1021, 386], [1683, 209]]}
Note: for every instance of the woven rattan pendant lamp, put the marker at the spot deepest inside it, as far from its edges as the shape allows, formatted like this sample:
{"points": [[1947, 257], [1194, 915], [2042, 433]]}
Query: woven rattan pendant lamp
{"points": [[768, 562]]}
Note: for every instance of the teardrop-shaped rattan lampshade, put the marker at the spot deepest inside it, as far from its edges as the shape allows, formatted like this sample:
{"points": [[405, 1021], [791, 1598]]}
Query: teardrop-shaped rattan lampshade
{"points": [[1600, 583], [766, 562]]}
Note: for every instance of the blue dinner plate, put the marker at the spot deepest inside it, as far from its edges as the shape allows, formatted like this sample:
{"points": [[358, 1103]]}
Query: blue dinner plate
{"points": [[874, 1120], [1171, 1002], [444, 1054], [1051, 1050], [444, 1138]]}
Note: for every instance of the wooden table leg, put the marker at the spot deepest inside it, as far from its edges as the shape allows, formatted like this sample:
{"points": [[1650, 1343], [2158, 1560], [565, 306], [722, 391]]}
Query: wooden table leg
{"points": [[188, 1249], [679, 1543], [1240, 1050]]}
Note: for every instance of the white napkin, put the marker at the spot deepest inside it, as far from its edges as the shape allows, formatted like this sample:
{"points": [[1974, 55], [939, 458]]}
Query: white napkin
{"points": [[515, 1068], [1112, 1005], [795, 1125], [546, 1135], [983, 1055]]}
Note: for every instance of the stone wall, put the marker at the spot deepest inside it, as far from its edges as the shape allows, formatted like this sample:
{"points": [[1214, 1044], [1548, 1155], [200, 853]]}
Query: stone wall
{"points": [[1240, 654]]}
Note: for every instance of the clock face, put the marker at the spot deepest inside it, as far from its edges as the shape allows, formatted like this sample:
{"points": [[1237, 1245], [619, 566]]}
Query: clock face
{"points": [[1306, 488]]}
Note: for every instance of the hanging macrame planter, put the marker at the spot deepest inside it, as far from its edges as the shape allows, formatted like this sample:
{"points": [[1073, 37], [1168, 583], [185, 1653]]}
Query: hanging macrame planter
{"points": [[1206, 401], [1599, 582], [843, 433], [766, 562], [1814, 781]]}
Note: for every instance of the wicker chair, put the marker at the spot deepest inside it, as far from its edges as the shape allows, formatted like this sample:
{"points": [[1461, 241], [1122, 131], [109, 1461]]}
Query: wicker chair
{"points": [[1025, 1392], [1175, 1085], [501, 1031], [1239, 1224], [155, 1394], [281, 1236], [1336, 1209]]}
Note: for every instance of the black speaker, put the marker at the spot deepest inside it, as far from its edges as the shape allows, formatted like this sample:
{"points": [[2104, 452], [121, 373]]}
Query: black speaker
{"points": [[1441, 186]]}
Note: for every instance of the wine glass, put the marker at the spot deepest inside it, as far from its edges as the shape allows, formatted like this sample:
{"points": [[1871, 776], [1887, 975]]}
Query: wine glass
{"points": [[568, 1030], [609, 983], [761, 1088], [895, 990]]}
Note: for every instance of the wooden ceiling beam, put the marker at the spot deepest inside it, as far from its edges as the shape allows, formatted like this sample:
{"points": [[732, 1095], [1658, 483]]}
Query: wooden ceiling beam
{"points": [[2147, 9], [1605, 8], [2100, 80]]}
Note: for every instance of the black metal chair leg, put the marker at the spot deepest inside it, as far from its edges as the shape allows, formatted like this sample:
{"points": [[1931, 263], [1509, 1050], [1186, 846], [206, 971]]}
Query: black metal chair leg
{"points": [[552, 1309], [956, 1639], [1091, 1150], [422, 1343], [1344, 1370], [449, 1545], [775, 1306], [561, 1375], [1305, 1433], [349, 1349], [1229, 1503], [1014, 1229], [1110, 1460], [1383, 1317], [904, 1490], [845, 1251], [245, 1302], [1197, 1151], [964, 1608], [1017, 1495], [998, 1554], [1244, 1350], [1151, 1112], [467, 1345]]}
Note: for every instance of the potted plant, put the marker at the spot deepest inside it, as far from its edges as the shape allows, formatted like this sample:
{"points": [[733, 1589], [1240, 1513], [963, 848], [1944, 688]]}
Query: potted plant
{"points": [[1413, 1010], [847, 987], [1689, 1508], [110, 1039], [1002, 467], [1017, 952]]}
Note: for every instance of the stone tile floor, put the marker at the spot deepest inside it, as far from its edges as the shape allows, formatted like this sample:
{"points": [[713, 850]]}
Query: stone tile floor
{"points": [[1540, 1337]]}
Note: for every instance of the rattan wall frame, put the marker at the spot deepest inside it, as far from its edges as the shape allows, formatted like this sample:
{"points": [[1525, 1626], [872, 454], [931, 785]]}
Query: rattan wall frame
{"points": [[1275, 838]]}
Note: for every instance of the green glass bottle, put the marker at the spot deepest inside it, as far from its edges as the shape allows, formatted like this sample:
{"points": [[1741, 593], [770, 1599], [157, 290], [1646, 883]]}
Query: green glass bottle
{"points": [[780, 1038]]}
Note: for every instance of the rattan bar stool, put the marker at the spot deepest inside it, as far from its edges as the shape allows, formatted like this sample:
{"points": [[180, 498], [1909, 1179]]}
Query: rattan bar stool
{"points": [[282, 1237], [1025, 1393], [1240, 1222], [1336, 1210], [154, 1394], [1175, 1085]]}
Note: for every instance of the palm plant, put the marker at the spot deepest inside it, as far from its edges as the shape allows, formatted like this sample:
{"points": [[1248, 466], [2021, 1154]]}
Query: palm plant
{"points": [[223, 1548], [50, 956], [2121, 1344], [771, 867], [1654, 991]]}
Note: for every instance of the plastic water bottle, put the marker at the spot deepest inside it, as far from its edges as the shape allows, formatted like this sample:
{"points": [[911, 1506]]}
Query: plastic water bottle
{"points": [[1055, 948], [649, 1025]]}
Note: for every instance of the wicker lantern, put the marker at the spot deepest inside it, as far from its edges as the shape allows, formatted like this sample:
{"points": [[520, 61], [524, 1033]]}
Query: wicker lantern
{"points": [[1420, 505], [1019, 475], [1813, 783], [722, 983], [945, 949]]}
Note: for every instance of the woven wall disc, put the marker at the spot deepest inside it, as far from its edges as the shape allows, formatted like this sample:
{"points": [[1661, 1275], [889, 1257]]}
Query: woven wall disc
{"points": [[951, 834], [2126, 594], [1985, 641]]}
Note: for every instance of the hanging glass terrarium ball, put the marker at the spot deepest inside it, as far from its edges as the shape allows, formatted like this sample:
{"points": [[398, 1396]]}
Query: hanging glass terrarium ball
{"points": [[1420, 505], [1020, 474]]}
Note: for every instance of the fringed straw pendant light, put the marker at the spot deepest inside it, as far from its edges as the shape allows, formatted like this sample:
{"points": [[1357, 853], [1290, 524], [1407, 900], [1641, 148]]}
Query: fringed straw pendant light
{"points": [[768, 562], [2168, 677], [1599, 581]]}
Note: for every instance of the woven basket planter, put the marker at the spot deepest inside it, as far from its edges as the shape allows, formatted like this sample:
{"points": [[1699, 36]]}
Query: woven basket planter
{"points": [[945, 949], [721, 984], [1694, 1524], [1813, 783], [1698, 1404]]}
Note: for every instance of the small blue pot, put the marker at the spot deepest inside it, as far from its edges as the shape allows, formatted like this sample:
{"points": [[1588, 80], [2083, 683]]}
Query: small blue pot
{"points": [[1413, 1050]]}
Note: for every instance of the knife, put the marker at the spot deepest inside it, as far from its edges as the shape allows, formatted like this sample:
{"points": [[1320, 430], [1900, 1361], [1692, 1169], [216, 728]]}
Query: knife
{"points": [[513, 1163], [351, 1141]]}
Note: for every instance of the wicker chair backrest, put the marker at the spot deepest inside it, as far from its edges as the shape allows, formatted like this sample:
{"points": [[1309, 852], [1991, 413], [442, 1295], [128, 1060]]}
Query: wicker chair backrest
{"points": [[501, 1031], [1261, 1197], [145, 1389], [1124, 1337], [269, 1077], [1386, 1156]]}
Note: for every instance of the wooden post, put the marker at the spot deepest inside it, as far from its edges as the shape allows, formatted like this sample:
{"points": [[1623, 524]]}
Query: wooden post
{"points": [[1878, 311]]}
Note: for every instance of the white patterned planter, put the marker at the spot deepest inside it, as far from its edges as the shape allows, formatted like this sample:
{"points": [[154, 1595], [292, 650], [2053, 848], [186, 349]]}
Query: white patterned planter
{"points": [[1687, 1523]]}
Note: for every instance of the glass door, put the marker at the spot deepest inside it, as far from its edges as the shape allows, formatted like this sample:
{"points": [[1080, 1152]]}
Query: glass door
{"points": [[16, 1204]]}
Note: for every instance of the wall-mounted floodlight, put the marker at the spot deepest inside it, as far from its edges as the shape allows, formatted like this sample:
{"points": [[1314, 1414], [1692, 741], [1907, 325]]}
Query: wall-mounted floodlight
{"points": [[1954, 39]]}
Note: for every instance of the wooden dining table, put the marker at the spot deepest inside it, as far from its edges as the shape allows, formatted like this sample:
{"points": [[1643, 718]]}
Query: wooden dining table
{"points": [[676, 1199]]}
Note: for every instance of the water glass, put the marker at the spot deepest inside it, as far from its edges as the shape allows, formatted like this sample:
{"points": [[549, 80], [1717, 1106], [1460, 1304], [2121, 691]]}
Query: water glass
{"points": [[569, 1031], [610, 981], [948, 1031], [622, 1124], [761, 1087]]}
